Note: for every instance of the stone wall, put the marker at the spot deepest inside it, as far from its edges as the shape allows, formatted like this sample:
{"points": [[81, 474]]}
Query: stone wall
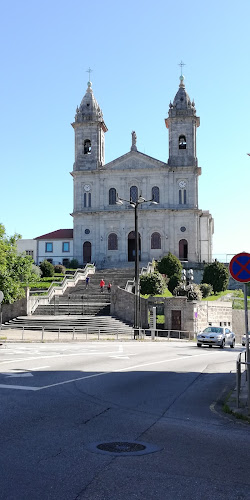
{"points": [[122, 306], [196, 316], [10, 311], [238, 326]]}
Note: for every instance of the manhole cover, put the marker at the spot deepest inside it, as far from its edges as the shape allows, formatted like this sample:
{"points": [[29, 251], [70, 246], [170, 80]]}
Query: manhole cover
{"points": [[124, 448], [120, 447]]}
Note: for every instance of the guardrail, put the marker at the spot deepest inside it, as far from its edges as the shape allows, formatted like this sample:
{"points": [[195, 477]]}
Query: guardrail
{"points": [[53, 290], [69, 333]]}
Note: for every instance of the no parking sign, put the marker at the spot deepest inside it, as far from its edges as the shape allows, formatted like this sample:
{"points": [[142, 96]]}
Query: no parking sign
{"points": [[239, 267]]}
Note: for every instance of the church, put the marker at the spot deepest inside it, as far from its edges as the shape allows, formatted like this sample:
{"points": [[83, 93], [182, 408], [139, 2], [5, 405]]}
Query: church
{"points": [[169, 217]]}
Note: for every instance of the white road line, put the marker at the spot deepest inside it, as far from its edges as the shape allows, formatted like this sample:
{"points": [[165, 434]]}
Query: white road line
{"points": [[98, 374], [20, 387], [58, 356], [37, 368]]}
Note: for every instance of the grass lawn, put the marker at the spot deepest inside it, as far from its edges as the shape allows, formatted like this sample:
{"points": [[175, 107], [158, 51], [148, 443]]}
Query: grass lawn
{"points": [[219, 295], [166, 293]]}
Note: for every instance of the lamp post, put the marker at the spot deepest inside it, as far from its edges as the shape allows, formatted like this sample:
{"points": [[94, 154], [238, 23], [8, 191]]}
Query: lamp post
{"points": [[135, 204]]}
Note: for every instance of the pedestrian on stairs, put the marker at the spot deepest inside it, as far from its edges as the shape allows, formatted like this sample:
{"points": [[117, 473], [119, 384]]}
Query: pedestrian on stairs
{"points": [[102, 285], [87, 281], [109, 287]]}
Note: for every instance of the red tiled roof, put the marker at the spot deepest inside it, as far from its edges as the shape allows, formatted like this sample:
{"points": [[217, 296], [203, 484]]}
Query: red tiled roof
{"points": [[60, 234]]}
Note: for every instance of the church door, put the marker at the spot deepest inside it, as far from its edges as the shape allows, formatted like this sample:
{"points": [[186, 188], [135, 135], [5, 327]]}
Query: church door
{"points": [[86, 252], [183, 250], [131, 246]]}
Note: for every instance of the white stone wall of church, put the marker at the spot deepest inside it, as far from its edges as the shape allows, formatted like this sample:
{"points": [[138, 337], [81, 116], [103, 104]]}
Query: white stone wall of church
{"points": [[121, 222]]}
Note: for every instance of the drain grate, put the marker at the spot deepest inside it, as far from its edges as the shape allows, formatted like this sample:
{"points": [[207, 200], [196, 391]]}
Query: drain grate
{"points": [[124, 448]]}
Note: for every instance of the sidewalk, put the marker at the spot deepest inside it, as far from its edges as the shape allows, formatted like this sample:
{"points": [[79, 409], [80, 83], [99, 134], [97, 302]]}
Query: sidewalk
{"points": [[242, 411]]}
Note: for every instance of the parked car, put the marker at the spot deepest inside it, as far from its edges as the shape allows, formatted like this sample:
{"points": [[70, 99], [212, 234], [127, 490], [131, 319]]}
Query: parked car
{"points": [[216, 335], [243, 340]]}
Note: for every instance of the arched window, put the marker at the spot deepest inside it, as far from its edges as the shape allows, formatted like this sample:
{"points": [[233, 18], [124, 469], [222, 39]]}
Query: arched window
{"points": [[112, 241], [156, 194], [133, 193], [112, 196], [87, 200], [87, 147], [183, 250], [155, 241], [182, 196], [182, 142]]}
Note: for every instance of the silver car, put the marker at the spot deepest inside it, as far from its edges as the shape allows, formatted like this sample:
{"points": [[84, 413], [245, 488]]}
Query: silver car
{"points": [[243, 340], [216, 335]]}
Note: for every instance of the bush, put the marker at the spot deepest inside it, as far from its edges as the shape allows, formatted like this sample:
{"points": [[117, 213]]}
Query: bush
{"points": [[217, 275], [36, 270], [74, 264], [151, 284], [192, 292], [47, 269], [206, 289], [174, 281], [60, 269]]}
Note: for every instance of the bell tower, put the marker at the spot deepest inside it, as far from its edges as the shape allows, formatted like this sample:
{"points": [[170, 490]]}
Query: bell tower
{"points": [[182, 123], [89, 127]]}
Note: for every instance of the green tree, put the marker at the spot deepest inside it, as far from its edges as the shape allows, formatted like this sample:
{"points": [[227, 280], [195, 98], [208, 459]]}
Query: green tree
{"points": [[16, 270], [152, 284], [172, 268], [217, 275], [170, 265], [74, 264], [174, 281], [47, 269]]}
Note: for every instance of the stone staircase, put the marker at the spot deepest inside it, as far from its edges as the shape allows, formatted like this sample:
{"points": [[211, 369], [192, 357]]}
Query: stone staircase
{"points": [[81, 300], [80, 307], [79, 324]]}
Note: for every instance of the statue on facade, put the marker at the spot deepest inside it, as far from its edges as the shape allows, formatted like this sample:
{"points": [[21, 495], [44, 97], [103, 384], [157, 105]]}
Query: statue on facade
{"points": [[134, 139]]}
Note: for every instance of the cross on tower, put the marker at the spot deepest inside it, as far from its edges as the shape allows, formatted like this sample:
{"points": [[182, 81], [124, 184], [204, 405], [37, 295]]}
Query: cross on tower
{"points": [[89, 71], [181, 64]]}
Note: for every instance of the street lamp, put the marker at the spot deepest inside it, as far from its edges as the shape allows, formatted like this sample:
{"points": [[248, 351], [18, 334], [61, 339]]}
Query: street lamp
{"points": [[135, 204]]}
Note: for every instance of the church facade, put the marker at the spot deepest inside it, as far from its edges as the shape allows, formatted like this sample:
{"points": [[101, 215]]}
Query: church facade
{"points": [[104, 230]]}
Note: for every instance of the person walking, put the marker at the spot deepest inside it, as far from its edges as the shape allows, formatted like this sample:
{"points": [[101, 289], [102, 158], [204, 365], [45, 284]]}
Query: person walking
{"points": [[102, 285], [109, 287], [87, 281]]}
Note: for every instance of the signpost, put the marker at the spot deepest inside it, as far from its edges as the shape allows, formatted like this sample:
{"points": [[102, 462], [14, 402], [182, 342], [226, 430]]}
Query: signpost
{"points": [[239, 268], [1, 300]]}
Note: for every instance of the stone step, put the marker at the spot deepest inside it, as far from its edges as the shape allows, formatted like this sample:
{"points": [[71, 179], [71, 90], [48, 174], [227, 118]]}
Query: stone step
{"points": [[53, 323]]}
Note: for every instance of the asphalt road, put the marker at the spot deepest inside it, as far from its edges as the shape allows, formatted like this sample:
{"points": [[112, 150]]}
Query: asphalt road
{"points": [[60, 401]]}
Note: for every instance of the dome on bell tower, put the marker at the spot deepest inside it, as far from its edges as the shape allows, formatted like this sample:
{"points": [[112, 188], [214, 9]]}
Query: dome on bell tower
{"points": [[182, 103], [89, 109]]}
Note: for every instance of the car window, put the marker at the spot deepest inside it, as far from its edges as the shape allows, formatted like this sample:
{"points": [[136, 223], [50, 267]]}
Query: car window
{"points": [[213, 329]]}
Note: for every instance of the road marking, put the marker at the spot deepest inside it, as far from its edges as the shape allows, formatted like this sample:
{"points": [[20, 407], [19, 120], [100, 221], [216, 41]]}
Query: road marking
{"points": [[16, 375], [2, 386], [20, 387], [58, 356], [38, 368]]}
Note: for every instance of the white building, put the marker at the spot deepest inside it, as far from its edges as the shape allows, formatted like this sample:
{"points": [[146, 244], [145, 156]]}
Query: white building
{"points": [[103, 230], [56, 247]]}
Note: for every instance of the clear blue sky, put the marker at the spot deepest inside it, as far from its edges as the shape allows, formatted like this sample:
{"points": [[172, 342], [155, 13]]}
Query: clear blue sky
{"points": [[134, 49]]}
